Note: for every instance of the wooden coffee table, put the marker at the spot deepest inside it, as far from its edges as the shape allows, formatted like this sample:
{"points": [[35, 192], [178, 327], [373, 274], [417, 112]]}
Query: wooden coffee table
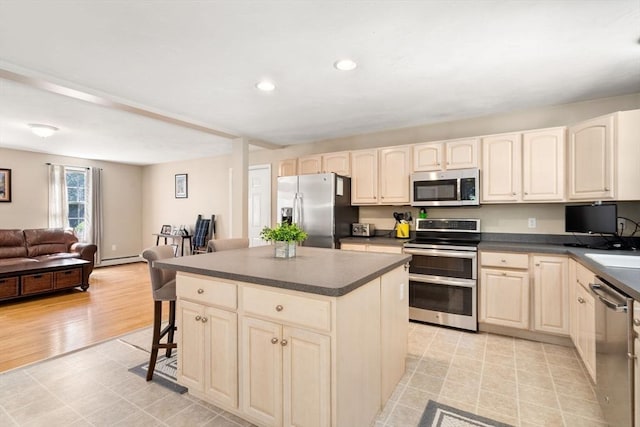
{"points": [[31, 277]]}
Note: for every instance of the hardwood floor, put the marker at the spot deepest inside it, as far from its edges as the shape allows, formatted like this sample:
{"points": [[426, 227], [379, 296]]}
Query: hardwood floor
{"points": [[117, 302]]}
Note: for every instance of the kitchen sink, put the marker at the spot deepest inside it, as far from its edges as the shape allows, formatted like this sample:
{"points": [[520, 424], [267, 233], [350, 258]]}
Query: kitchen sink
{"points": [[625, 261]]}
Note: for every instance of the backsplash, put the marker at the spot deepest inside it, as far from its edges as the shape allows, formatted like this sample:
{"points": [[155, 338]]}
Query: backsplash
{"points": [[507, 218]]}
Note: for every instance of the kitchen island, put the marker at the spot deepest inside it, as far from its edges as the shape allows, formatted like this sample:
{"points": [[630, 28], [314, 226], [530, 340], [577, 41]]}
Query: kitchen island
{"points": [[316, 340]]}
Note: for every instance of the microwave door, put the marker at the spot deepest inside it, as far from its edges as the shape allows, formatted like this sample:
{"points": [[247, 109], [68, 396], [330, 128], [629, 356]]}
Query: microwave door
{"points": [[436, 191]]}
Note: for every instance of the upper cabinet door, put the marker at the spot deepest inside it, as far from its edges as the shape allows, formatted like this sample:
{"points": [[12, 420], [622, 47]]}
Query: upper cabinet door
{"points": [[591, 162], [428, 157], [543, 165], [501, 169], [364, 177], [395, 164], [310, 164], [288, 167], [339, 163], [462, 154]]}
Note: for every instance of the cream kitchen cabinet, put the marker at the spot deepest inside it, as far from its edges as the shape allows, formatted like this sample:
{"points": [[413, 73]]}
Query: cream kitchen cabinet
{"points": [[288, 167], [583, 316], [298, 352], [443, 155], [543, 165], [501, 168], [603, 157], [504, 289], [339, 163], [380, 177], [551, 294], [286, 374], [208, 339], [524, 167], [364, 177]]}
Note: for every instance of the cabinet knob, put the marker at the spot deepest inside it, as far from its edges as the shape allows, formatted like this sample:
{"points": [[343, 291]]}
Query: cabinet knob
{"points": [[504, 274], [636, 322], [513, 194], [537, 265], [581, 300], [204, 319], [503, 260], [274, 340], [525, 193], [279, 307], [201, 291], [606, 189], [198, 318], [284, 342]]}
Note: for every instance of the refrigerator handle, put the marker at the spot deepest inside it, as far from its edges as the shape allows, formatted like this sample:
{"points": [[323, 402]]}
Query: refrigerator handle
{"points": [[297, 209]]}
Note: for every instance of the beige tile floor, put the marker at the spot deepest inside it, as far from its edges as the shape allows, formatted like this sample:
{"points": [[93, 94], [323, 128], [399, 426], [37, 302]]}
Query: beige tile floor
{"points": [[515, 381]]}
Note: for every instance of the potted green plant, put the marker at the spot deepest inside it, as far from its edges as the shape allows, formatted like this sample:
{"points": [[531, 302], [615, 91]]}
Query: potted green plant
{"points": [[285, 236]]}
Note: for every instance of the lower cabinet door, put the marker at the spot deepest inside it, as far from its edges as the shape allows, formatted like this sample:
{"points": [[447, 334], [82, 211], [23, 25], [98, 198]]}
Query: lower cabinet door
{"points": [[190, 345], [221, 355], [551, 294], [504, 298], [307, 378], [262, 370]]}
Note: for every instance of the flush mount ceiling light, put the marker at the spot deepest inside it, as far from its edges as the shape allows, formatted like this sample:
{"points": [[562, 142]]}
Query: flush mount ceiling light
{"points": [[42, 131], [345, 65], [265, 86]]}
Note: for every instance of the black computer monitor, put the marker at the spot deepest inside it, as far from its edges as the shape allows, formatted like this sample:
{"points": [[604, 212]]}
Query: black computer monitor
{"points": [[600, 219]]}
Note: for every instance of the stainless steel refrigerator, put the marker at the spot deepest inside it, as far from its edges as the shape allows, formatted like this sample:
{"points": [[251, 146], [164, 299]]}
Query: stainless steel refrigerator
{"points": [[320, 204]]}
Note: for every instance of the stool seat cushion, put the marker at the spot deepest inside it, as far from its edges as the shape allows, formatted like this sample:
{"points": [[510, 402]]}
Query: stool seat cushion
{"points": [[166, 293]]}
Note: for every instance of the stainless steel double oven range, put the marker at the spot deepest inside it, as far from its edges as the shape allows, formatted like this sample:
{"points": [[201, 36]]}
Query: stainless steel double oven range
{"points": [[443, 273]]}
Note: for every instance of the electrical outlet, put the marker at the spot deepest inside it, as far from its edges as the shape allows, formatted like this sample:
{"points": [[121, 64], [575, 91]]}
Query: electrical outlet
{"points": [[113, 247], [532, 223]]}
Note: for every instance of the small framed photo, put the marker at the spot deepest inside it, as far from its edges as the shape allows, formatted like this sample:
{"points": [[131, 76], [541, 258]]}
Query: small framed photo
{"points": [[5, 185], [181, 186], [166, 229]]}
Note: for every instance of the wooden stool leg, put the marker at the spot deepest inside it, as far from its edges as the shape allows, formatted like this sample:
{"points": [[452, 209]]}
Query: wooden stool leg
{"points": [[172, 326], [157, 323]]}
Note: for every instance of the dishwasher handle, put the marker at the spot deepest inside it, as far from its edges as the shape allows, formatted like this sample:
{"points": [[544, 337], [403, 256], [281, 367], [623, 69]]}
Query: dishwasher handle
{"points": [[617, 307]]}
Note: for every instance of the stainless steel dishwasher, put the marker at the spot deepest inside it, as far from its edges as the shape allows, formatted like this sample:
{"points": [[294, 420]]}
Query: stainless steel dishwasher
{"points": [[614, 353]]}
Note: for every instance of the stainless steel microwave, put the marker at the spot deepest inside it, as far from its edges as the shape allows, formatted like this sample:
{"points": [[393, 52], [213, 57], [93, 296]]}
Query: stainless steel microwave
{"points": [[446, 188]]}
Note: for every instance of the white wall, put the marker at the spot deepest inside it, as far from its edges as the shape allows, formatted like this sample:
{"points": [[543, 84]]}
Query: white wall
{"points": [[122, 187], [208, 194]]}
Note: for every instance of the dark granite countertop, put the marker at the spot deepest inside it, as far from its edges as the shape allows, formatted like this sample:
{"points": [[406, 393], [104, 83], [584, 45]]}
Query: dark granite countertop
{"points": [[319, 271], [625, 279], [375, 240]]}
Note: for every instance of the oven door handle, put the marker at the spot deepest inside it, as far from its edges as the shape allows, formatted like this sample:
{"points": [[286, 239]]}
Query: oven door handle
{"points": [[436, 280], [439, 252]]}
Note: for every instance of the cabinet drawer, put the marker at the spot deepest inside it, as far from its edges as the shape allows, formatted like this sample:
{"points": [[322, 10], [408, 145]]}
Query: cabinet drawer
{"points": [[584, 276], [9, 287], [67, 278], [303, 311], [506, 260], [385, 249], [207, 291], [36, 283]]}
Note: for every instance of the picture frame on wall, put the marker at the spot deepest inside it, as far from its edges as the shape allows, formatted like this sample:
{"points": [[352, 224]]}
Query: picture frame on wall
{"points": [[5, 185], [181, 186]]}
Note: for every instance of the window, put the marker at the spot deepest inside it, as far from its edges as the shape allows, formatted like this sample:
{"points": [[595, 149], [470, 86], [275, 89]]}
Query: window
{"points": [[76, 180]]}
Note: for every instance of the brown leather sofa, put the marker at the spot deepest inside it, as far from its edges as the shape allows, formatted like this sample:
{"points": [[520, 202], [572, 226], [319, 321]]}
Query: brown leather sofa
{"points": [[44, 244]]}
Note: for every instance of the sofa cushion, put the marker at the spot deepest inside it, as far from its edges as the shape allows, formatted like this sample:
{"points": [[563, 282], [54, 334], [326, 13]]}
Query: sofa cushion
{"points": [[45, 241], [12, 244]]}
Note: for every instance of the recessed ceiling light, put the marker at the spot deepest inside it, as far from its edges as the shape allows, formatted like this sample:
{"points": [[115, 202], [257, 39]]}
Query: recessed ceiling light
{"points": [[265, 86], [42, 131], [345, 65]]}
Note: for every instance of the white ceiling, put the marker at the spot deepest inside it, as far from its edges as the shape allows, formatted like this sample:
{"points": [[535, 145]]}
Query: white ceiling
{"points": [[419, 62]]}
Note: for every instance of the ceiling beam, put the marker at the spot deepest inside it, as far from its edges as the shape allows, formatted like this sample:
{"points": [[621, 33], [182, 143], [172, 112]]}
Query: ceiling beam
{"points": [[43, 84]]}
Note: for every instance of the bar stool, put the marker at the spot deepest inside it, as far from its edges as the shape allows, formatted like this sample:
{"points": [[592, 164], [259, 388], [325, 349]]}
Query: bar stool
{"points": [[163, 286], [227, 244]]}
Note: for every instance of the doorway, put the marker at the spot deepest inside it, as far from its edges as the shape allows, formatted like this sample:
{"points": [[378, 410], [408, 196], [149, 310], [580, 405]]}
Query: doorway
{"points": [[259, 206]]}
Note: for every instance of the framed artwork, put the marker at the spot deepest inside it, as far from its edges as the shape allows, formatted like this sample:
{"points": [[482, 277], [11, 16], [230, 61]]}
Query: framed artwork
{"points": [[5, 185], [181, 186], [166, 229]]}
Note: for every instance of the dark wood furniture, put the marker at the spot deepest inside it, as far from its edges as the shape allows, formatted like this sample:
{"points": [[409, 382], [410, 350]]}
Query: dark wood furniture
{"points": [[36, 277], [173, 237]]}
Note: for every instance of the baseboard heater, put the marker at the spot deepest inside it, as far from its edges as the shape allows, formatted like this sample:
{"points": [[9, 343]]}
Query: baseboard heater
{"points": [[122, 260]]}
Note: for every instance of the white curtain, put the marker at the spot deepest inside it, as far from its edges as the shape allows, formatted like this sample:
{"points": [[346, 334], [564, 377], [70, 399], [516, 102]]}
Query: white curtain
{"points": [[58, 206], [93, 230]]}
